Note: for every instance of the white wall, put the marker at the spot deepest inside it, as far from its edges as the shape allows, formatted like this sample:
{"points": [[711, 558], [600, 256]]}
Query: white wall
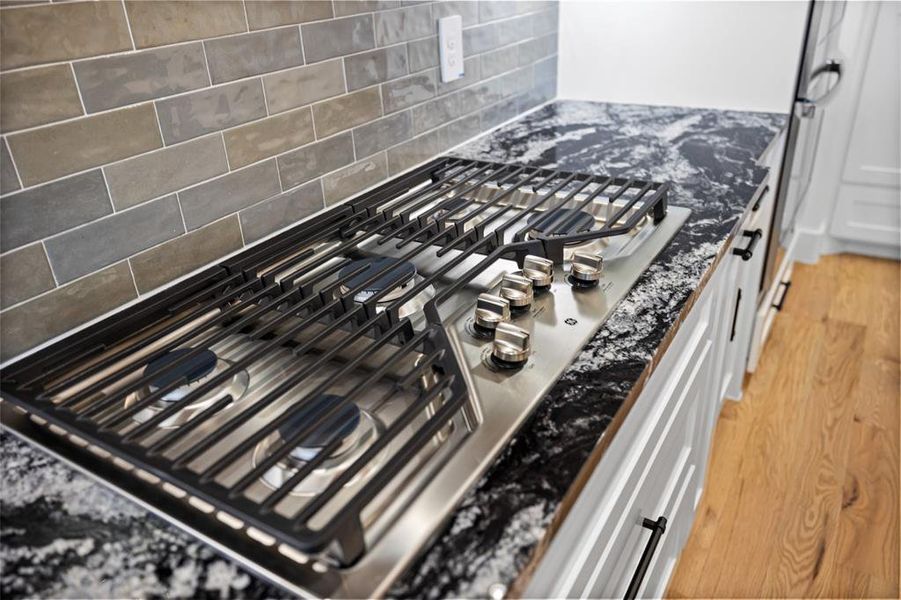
{"points": [[740, 55]]}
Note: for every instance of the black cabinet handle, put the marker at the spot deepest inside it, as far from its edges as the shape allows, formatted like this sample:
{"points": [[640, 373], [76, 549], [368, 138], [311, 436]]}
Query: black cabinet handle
{"points": [[747, 252], [756, 207], [658, 528], [778, 306], [735, 315]]}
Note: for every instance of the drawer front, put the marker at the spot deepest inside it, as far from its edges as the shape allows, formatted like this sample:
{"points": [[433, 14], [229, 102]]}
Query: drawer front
{"points": [[636, 472], [675, 456]]}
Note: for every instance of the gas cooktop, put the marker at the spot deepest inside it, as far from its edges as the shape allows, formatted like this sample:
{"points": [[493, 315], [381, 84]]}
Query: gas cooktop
{"points": [[316, 406]]}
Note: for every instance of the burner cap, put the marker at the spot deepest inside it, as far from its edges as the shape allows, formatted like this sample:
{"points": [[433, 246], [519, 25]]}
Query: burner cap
{"points": [[392, 273], [198, 366], [344, 423], [583, 222]]}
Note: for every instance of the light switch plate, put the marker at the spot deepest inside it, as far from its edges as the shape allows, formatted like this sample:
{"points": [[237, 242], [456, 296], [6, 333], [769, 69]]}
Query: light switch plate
{"points": [[450, 47]]}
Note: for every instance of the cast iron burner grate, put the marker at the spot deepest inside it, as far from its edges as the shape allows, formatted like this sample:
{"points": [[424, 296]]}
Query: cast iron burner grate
{"points": [[302, 294]]}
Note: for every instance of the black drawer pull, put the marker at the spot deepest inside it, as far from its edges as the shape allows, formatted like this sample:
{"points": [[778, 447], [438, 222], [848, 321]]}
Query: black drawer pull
{"points": [[658, 528], [760, 198], [787, 284], [747, 252]]}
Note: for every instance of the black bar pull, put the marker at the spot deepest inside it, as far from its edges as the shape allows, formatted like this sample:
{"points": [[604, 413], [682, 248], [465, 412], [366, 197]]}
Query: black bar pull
{"points": [[778, 306], [658, 528], [747, 252], [735, 315], [756, 207]]}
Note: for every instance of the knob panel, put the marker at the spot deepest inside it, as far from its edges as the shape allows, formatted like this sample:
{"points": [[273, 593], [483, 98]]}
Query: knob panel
{"points": [[491, 310]]}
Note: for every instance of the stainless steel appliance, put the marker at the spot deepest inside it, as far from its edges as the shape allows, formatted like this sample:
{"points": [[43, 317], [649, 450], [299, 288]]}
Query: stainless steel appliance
{"points": [[819, 74], [316, 406]]}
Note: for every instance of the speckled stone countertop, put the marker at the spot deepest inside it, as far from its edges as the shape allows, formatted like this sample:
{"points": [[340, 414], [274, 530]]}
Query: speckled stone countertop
{"points": [[61, 535]]}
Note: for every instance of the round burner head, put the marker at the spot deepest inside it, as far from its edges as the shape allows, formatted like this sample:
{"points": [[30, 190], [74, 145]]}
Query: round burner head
{"points": [[192, 369], [581, 222], [341, 424], [392, 272]]}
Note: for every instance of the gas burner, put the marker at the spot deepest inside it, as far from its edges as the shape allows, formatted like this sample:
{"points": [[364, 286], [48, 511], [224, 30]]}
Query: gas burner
{"points": [[395, 275], [196, 371], [460, 210], [566, 221], [356, 428]]}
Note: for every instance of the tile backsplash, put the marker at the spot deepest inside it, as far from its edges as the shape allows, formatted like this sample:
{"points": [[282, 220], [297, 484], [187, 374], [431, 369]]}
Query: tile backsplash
{"points": [[144, 140]]}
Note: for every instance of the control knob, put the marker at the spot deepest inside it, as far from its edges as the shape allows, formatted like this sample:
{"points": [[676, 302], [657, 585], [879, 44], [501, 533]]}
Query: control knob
{"points": [[585, 269], [517, 290], [491, 310], [512, 345], [539, 270]]}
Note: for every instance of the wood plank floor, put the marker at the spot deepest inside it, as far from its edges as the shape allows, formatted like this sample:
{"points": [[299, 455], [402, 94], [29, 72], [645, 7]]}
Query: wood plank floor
{"points": [[802, 494]]}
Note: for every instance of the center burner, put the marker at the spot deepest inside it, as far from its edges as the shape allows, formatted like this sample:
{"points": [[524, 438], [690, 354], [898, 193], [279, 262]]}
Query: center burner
{"points": [[394, 274], [195, 372], [356, 428]]}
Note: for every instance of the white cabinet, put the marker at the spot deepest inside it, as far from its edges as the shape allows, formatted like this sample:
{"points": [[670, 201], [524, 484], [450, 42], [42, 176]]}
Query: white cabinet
{"points": [[654, 466]]}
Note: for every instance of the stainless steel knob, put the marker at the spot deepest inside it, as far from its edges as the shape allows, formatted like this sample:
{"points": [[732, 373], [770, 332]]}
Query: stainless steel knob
{"points": [[517, 290], [585, 269], [539, 270], [512, 345], [491, 310]]}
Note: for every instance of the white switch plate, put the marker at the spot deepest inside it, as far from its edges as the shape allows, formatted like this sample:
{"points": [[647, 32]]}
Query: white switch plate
{"points": [[450, 47]]}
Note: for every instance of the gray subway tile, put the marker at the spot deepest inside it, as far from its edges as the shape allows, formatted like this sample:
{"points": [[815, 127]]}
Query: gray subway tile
{"points": [[423, 54], [38, 212], [214, 199], [105, 241], [170, 260], [499, 61], [119, 80], [417, 150], [191, 115], [346, 182], [514, 30], [249, 54], [480, 39], [355, 7], [457, 132], [393, 26], [382, 133], [164, 22], [56, 150], [37, 96], [491, 10], [546, 69], [401, 93], [483, 94], [152, 175], [347, 111], [8, 180], [39, 34], [337, 37], [437, 112], [314, 160], [546, 21], [24, 274], [58, 311], [262, 14], [303, 85], [373, 67], [498, 113], [267, 137], [467, 9], [264, 218]]}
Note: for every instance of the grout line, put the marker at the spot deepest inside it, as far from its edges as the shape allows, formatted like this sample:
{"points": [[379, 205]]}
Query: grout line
{"points": [[52, 271], [13, 161], [131, 271], [344, 74], [209, 74], [181, 211], [159, 125], [109, 194], [128, 26], [303, 54], [246, 20], [278, 172], [241, 228], [227, 161], [84, 110], [265, 99]]}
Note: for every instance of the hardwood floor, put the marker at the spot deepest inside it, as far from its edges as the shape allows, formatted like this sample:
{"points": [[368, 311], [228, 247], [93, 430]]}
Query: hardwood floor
{"points": [[802, 494]]}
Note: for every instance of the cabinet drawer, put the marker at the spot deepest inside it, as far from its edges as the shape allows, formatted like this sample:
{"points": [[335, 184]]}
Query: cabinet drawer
{"points": [[674, 457]]}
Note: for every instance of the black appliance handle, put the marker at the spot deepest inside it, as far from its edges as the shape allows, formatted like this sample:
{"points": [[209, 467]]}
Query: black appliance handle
{"points": [[832, 65], [658, 528], [748, 251]]}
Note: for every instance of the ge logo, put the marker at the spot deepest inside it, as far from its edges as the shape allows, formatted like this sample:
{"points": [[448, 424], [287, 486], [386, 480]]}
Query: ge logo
{"points": [[570, 321]]}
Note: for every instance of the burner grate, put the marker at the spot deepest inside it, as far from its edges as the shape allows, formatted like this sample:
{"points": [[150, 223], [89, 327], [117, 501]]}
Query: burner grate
{"points": [[300, 294]]}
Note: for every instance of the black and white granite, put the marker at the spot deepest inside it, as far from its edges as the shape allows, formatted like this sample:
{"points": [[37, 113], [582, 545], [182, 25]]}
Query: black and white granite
{"points": [[65, 536]]}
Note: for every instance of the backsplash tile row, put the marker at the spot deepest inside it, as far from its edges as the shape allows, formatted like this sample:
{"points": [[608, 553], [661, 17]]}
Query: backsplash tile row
{"points": [[144, 140]]}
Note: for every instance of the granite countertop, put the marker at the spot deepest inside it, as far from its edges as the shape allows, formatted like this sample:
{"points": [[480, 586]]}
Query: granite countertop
{"points": [[63, 535]]}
